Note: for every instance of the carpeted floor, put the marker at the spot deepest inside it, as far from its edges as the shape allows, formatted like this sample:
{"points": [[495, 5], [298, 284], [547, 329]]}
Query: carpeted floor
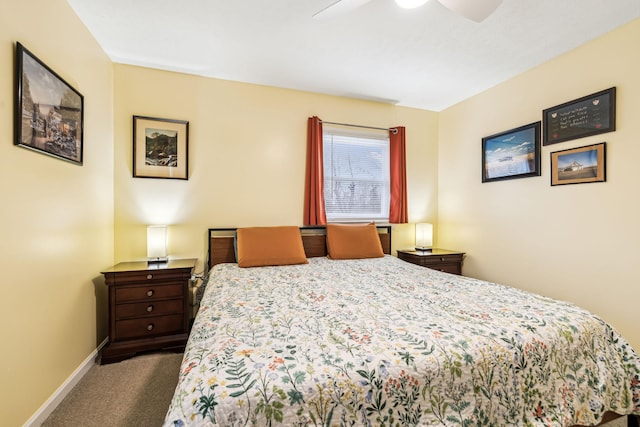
{"points": [[132, 393]]}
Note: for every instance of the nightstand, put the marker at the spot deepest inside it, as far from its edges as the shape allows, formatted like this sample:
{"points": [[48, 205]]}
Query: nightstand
{"points": [[148, 307], [437, 259]]}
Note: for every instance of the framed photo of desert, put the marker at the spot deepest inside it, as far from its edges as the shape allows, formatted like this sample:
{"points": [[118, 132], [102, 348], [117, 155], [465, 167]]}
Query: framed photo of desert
{"points": [[511, 154], [48, 111], [160, 148], [579, 165]]}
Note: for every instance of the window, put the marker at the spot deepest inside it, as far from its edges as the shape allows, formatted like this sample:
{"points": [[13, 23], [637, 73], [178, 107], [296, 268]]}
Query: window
{"points": [[356, 175]]}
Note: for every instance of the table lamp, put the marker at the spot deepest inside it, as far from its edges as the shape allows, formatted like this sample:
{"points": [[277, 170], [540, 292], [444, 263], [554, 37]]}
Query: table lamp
{"points": [[157, 243], [424, 236]]}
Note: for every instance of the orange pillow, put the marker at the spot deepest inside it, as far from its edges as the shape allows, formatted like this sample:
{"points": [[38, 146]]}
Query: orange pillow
{"points": [[260, 246], [353, 241]]}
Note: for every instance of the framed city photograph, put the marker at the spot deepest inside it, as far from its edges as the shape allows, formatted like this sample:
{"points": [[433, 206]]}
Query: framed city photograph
{"points": [[49, 112], [160, 148], [579, 165], [511, 154], [590, 115]]}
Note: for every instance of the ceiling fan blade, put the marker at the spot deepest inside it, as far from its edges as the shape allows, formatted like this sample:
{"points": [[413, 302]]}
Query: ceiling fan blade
{"points": [[476, 10], [339, 7]]}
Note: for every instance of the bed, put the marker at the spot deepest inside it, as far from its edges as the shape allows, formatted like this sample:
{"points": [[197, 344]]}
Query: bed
{"points": [[378, 341]]}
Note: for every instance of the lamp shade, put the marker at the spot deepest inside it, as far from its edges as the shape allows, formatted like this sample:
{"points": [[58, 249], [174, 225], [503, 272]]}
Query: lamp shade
{"points": [[157, 243], [424, 236]]}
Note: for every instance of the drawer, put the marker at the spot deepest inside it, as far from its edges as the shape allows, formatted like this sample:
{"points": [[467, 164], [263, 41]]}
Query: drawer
{"points": [[150, 292], [136, 277], [439, 259], [149, 326], [149, 308], [453, 268]]}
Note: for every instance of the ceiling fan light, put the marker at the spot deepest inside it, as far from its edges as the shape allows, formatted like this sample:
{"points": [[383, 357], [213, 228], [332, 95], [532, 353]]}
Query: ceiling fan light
{"points": [[410, 4]]}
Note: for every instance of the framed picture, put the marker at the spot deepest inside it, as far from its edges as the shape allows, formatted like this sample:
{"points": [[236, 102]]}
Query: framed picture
{"points": [[590, 115], [511, 154], [49, 113], [579, 165], [160, 148]]}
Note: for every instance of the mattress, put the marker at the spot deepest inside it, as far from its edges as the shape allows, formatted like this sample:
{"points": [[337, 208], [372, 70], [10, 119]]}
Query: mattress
{"points": [[384, 342]]}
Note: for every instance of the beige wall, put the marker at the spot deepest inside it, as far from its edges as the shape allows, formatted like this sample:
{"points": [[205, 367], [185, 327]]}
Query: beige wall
{"points": [[247, 146], [576, 242], [56, 219]]}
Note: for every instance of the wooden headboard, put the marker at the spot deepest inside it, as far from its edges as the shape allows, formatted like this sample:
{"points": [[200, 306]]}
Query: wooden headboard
{"points": [[313, 238]]}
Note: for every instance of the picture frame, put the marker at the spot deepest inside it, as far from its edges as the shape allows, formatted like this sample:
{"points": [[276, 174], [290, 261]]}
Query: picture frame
{"points": [[160, 148], [590, 115], [48, 111], [579, 165], [511, 154]]}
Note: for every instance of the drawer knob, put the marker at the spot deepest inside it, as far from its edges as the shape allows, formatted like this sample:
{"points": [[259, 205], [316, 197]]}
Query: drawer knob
{"points": [[150, 327], [441, 258], [150, 308], [150, 293], [149, 276]]}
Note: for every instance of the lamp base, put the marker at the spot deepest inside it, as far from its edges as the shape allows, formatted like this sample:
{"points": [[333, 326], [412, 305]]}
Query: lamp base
{"points": [[423, 248], [157, 260]]}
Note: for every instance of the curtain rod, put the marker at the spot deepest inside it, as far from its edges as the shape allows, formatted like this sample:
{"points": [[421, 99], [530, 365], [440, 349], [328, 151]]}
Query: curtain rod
{"points": [[394, 130]]}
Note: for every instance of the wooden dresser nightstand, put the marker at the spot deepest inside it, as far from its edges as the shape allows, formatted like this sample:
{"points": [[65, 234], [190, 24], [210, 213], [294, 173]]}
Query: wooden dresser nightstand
{"points": [[437, 259], [148, 307]]}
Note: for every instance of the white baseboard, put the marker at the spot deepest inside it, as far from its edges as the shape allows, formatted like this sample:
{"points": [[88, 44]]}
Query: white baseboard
{"points": [[58, 396]]}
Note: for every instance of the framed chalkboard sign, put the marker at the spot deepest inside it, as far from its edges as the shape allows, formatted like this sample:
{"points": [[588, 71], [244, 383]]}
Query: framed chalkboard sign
{"points": [[590, 115]]}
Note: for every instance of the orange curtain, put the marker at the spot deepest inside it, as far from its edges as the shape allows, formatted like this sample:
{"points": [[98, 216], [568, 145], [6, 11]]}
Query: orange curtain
{"points": [[398, 211], [314, 211]]}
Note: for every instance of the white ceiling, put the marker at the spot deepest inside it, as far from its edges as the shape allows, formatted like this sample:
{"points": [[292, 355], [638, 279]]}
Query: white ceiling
{"points": [[427, 58]]}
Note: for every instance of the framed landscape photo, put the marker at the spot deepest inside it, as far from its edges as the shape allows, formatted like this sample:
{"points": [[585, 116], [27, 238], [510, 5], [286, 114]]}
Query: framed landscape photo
{"points": [[511, 154], [590, 115], [579, 165], [49, 113], [160, 148]]}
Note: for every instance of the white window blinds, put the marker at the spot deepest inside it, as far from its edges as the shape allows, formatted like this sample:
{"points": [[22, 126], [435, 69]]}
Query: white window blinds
{"points": [[356, 175]]}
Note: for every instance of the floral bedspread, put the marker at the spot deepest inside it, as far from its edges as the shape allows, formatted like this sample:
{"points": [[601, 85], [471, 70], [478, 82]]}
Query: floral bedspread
{"points": [[381, 342]]}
